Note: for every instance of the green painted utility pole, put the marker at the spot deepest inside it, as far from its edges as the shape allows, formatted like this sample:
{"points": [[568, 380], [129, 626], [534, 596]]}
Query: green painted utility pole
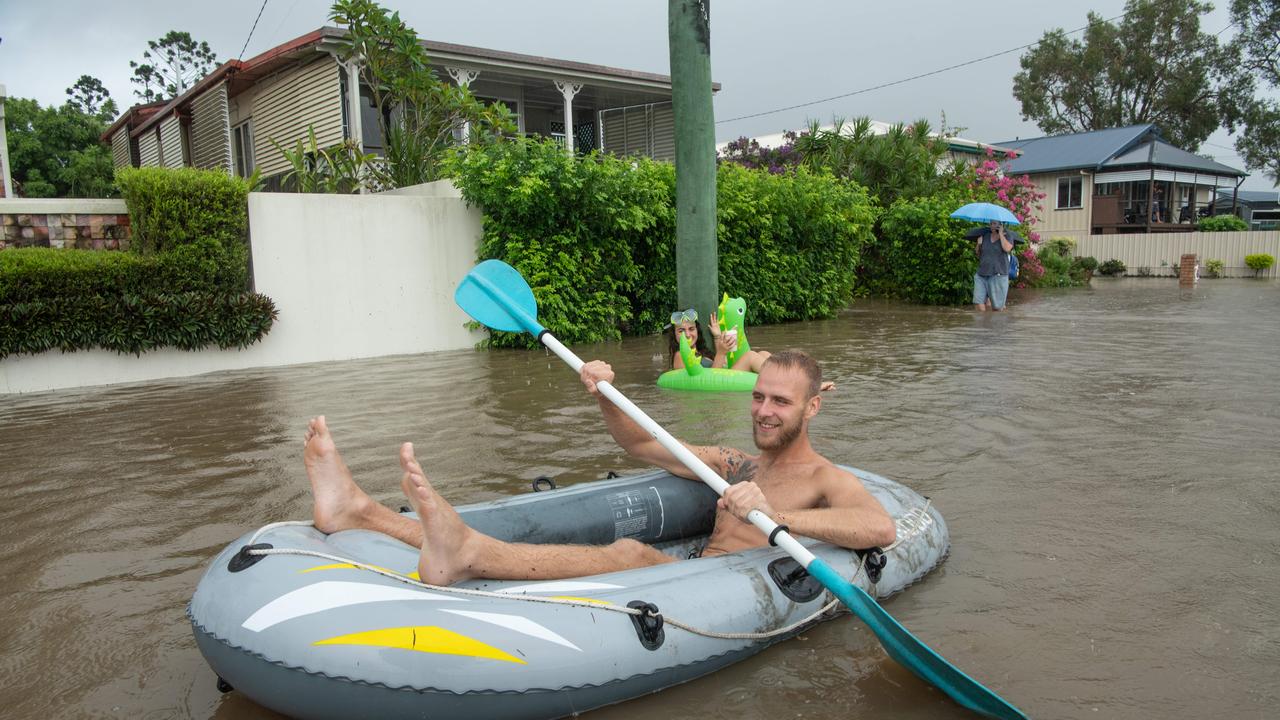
{"points": [[689, 32]]}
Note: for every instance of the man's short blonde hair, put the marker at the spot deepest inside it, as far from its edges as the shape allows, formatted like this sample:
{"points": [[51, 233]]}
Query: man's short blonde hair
{"points": [[799, 359]]}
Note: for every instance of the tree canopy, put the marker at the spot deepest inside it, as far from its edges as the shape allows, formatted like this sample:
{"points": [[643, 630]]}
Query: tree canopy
{"points": [[170, 65], [1153, 66], [56, 152], [1250, 71], [90, 96]]}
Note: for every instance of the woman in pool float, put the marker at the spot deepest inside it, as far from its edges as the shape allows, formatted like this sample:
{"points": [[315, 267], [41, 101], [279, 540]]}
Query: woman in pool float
{"points": [[685, 322]]}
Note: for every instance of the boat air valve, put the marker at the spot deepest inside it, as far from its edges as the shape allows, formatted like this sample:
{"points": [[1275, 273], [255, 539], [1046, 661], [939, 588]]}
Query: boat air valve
{"points": [[648, 624], [874, 561], [224, 687], [542, 480], [245, 559]]}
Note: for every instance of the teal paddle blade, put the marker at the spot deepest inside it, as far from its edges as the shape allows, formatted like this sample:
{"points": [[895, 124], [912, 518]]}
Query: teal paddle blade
{"points": [[495, 294], [910, 652]]}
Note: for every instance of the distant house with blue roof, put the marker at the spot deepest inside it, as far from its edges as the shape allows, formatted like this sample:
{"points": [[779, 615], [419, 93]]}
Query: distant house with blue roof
{"points": [[1120, 180], [1259, 208]]}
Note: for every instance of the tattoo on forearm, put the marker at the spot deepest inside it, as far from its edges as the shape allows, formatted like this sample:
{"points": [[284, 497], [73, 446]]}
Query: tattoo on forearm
{"points": [[737, 468]]}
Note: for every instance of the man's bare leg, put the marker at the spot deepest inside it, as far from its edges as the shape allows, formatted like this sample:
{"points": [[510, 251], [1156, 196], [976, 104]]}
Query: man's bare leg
{"points": [[340, 504], [451, 551]]}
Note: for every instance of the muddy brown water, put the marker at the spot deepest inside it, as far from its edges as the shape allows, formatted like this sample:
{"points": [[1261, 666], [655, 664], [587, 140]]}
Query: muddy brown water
{"points": [[1106, 460]]}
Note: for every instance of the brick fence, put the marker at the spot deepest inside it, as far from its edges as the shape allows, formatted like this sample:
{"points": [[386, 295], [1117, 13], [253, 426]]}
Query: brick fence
{"points": [[85, 224]]}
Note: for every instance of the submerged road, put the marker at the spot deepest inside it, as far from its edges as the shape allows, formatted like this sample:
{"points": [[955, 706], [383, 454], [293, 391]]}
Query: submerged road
{"points": [[1106, 460]]}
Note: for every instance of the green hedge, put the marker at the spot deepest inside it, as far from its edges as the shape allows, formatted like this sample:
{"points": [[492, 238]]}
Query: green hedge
{"points": [[182, 286], [930, 259], [595, 237], [135, 323], [173, 208], [40, 273], [1222, 223]]}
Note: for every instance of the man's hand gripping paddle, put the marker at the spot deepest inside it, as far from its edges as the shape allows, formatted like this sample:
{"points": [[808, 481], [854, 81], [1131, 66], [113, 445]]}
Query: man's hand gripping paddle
{"points": [[495, 294]]}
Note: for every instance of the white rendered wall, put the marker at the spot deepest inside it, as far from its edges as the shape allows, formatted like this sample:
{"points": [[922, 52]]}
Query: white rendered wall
{"points": [[353, 276]]}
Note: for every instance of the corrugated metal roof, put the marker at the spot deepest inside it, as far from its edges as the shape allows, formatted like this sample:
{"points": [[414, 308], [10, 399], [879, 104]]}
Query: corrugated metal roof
{"points": [[1078, 150], [1253, 197], [1161, 154]]}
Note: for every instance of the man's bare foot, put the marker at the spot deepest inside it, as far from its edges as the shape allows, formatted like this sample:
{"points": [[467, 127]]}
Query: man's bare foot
{"points": [[447, 542], [340, 504]]}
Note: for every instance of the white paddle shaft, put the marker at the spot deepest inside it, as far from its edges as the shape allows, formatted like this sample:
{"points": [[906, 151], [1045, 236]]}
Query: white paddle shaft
{"points": [[763, 522]]}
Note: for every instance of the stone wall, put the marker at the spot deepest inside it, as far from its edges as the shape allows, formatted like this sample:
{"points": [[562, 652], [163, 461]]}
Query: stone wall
{"points": [[69, 223]]}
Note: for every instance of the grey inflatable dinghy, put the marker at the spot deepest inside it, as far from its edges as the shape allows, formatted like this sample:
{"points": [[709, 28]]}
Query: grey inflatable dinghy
{"points": [[336, 626]]}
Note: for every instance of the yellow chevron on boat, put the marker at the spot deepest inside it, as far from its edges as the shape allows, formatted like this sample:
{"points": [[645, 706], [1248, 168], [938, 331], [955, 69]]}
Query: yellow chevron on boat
{"points": [[350, 566], [428, 639]]}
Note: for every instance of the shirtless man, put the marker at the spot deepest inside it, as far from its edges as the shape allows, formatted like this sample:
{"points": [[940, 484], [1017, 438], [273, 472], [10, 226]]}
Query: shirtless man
{"points": [[788, 480]]}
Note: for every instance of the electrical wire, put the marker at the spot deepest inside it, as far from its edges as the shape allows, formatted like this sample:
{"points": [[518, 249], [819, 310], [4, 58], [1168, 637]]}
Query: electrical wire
{"points": [[255, 27], [914, 77]]}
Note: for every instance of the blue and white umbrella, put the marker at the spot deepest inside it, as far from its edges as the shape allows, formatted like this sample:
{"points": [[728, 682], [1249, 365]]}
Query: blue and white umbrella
{"points": [[985, 212]]}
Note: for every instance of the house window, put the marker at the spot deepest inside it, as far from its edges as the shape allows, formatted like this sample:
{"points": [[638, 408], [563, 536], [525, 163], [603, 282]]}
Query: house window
{"points": [[242, 148], [1069, 192]]}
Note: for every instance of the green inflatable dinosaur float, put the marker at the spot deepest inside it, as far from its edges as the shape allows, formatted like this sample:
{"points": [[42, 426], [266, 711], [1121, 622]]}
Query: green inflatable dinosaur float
{"points": [[733, 318], [696, 377]]}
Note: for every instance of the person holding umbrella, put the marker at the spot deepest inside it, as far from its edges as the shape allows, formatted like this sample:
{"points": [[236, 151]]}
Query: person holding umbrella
{"points": [[991, 281]]}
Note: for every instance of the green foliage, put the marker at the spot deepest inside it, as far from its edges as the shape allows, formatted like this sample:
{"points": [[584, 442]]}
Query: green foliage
{"points": [[89, 96], [170, 65], [1259, 262], [1082, 268], [56, 152], [1060, 246], [1153, 66], [172, 208], [340, 169], [1222, 223], [1060, 268], [1112, 267], [418, 113], [1250, 70], [900, 163], [595, 237], [929, 257], [135, 323], [788, 243], [1214, 268], [77, 299]]}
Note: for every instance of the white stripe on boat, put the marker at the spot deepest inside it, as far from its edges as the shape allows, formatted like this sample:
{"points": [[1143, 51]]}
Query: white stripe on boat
{"points": [[329, 595], [515, 623], [560, 587]]}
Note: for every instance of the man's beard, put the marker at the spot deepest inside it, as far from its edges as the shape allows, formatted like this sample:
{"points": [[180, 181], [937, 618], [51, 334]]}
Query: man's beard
{"points": [[785, 435]]}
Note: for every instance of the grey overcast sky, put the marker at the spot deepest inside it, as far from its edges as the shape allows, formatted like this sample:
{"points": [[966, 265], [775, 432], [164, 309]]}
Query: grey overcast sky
{"points": [[766, 55]]}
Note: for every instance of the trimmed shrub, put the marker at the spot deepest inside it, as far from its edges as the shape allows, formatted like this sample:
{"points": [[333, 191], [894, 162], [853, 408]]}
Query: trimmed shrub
{"points": [[930, 258], [172, 208], [1082, 268], [1112, 267], [595, 237], [1259, 262], [135, 323], [1222, 223], [1214, 268], [41, 273]]}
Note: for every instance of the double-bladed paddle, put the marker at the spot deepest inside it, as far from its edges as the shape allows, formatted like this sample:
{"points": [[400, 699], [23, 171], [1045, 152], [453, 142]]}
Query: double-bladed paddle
{"points": [[495, 294]]}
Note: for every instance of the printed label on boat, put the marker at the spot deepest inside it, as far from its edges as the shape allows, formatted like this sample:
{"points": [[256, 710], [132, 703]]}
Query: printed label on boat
{"points": [[636, 513]]}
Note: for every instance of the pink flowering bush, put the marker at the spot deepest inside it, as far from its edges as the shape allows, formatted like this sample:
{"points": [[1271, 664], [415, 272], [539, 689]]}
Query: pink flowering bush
{"points": [[1023, 199]]}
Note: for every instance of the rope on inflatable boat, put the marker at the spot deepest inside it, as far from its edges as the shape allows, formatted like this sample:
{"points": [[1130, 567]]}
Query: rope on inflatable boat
{"points": [[913, 521]]}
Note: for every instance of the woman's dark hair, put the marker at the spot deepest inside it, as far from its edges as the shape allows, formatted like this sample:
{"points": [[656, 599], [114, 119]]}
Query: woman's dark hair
{"points": [[673, 344]]}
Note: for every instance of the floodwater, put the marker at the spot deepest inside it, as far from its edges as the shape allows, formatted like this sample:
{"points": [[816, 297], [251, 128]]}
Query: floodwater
{"points": [[1106, 460]]}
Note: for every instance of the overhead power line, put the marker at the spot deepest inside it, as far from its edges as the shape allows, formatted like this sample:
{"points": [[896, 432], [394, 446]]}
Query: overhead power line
{"points": [[255, 27], [910, 79]]}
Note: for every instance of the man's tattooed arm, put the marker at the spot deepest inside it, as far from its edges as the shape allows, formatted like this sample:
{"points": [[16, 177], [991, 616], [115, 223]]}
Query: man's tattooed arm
{"points": [[738, 467]]}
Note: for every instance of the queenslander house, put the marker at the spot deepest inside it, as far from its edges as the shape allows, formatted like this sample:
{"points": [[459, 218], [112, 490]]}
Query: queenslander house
{"points": [[229, 118], [1122, 180]]}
